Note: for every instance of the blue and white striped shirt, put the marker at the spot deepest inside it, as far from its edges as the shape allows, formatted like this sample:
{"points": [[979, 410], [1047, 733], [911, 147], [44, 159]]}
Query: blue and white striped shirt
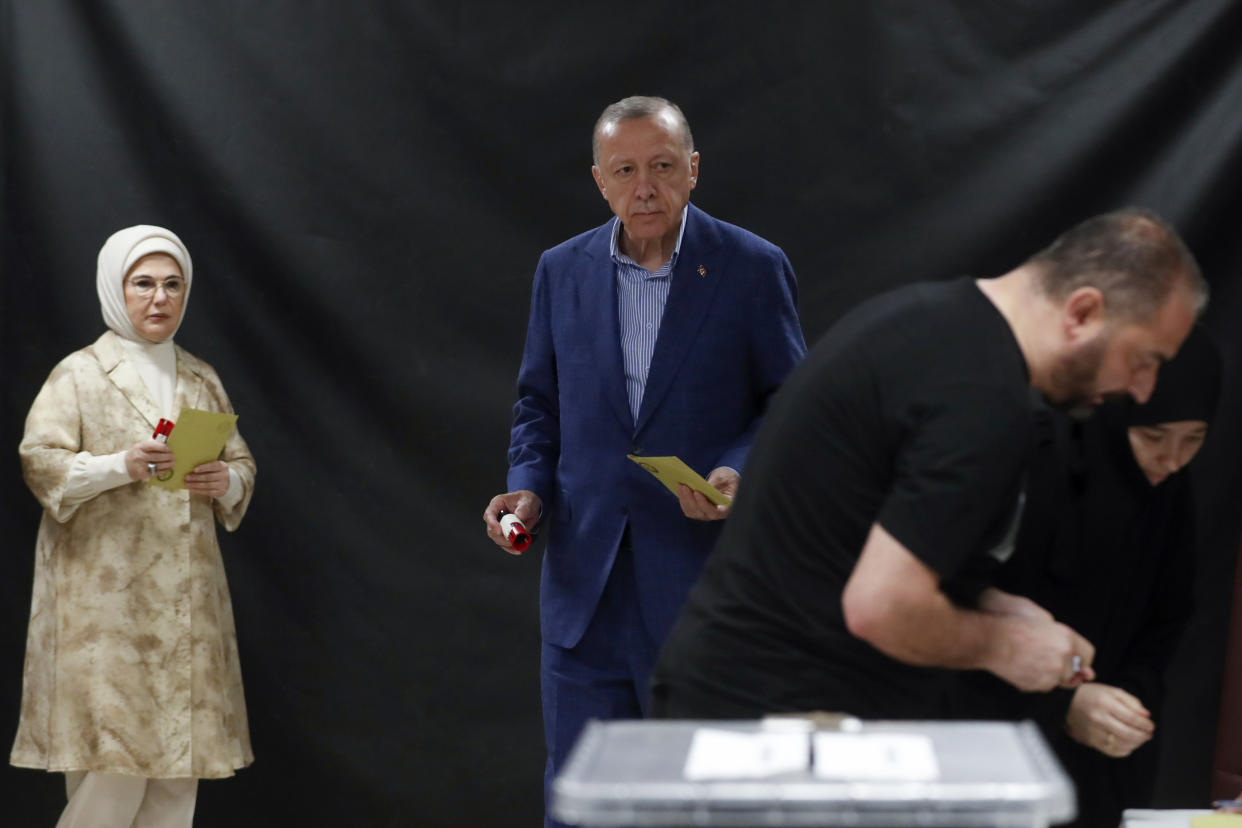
{"points": [[641, 295]]}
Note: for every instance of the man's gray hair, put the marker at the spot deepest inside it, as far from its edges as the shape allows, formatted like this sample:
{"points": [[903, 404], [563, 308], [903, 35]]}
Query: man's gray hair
{"points": [[1132, 256], [639, 106]]}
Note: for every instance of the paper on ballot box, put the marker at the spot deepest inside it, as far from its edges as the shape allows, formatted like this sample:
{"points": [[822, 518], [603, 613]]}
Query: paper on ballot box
{"points": [[870, 757], [1178, 818], [1216, 821], [863, 757], [730, 754]]}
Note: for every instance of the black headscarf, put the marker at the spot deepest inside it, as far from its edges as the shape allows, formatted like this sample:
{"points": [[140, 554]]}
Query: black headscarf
{"points": [[1188, 387]]}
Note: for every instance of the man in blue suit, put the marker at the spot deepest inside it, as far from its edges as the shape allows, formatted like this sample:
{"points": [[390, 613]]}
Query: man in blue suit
{"points": [[662, 332]]}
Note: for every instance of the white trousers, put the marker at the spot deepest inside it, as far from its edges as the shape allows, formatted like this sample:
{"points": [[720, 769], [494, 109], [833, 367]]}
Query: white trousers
{"points": [[109, 800]]}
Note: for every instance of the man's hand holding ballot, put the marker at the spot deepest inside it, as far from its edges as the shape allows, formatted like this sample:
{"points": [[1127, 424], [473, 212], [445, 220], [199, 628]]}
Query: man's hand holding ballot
{"points": [[700, 499], [695, 505]]}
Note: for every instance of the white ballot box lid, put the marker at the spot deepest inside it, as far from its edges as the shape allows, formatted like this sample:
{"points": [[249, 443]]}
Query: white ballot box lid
{"points": [[788, 772]]}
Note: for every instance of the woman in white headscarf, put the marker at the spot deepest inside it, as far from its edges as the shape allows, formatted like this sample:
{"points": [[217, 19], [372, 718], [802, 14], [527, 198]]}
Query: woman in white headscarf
{"points": [[132, 686]]}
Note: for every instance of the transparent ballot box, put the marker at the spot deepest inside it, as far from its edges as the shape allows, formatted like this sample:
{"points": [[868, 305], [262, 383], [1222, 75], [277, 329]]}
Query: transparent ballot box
{"points": [[803, 772]]}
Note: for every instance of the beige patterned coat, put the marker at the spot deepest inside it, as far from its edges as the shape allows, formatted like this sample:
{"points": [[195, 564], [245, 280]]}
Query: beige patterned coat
{"points": [[131, 655]]}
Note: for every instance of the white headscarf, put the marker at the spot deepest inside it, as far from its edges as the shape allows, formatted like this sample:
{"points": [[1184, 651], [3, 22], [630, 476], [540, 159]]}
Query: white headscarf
{"points": [[118, 254]]}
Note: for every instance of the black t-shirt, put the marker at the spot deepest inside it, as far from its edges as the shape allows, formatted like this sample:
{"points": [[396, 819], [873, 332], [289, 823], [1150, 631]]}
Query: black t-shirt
{"points": [[912, 412]]}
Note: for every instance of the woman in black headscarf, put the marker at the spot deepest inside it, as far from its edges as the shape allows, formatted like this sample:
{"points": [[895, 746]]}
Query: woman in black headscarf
{"points": [[1107, 546]]}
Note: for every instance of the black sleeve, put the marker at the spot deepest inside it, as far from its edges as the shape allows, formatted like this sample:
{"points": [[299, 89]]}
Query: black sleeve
{"points": [[957, 474], [1166, 610], [1050, 710]]}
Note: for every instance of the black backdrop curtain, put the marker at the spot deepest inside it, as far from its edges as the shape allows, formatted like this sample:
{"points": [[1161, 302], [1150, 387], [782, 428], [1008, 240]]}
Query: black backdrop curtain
{"points": [[365, 188]]}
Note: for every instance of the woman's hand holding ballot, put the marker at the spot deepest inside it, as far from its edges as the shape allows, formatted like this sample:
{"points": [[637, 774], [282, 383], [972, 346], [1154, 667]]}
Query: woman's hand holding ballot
{"points": [[141, 454], [211, 479]]}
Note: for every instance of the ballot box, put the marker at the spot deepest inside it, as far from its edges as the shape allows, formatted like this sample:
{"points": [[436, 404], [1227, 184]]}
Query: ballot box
{"points": [[797, 772]]}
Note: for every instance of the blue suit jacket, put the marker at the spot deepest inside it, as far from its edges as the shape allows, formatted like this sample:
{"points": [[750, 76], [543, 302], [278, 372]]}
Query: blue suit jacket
{"points": [[728, 338]]}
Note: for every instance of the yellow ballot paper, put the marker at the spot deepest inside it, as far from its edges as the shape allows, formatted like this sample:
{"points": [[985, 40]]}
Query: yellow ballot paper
{"points": [[671, 470], [1215, 820], [197, 438]]}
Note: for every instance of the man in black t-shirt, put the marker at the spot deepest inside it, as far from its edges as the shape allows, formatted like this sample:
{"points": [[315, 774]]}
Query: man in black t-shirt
{"points": [[852, 569]]}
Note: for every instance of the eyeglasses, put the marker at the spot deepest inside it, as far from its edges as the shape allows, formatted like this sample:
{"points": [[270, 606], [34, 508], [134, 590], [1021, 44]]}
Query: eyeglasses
{"points": [[145, 286]]}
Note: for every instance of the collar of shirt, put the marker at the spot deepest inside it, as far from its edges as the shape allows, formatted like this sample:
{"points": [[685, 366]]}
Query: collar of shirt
{"points": [[618, 257]]}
